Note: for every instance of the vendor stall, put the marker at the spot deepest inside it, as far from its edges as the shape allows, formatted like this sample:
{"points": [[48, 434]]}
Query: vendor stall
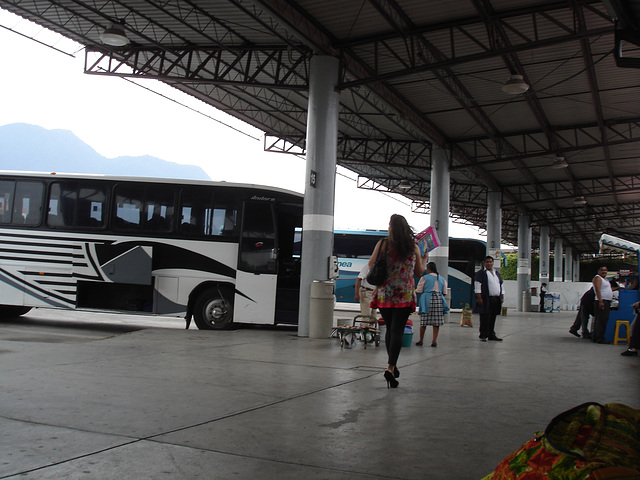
{"points": [[627, 296]]}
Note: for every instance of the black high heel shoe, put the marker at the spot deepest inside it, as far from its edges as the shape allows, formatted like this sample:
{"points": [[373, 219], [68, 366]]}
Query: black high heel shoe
{"points": [[391, 381], [396, 372]]}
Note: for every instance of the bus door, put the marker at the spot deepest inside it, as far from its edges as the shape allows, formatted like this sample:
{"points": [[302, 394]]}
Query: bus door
{"points": [[289, 225], [257, 274]]}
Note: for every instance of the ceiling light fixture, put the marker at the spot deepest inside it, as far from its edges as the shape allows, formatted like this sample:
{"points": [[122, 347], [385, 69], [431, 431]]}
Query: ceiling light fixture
{"points": [[515, 85], [114, 35], [404, 184], [579, 201], [559, 162]]}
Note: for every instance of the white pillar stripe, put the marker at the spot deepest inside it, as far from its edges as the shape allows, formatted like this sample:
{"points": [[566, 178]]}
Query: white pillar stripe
{"points": [[322, 223], [439, 252]]}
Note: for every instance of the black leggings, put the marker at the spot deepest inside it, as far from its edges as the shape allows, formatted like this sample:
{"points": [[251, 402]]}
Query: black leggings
{"points": [[395, 319]]}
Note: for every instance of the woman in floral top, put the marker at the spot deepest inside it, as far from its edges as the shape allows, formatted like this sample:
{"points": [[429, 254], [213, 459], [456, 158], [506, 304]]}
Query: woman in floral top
{"points": [[396, 297]]}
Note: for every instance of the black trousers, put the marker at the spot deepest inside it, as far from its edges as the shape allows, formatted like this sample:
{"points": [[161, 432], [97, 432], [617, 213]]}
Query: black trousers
{"points": [[488, 320], [600, 321], [581, 321]]}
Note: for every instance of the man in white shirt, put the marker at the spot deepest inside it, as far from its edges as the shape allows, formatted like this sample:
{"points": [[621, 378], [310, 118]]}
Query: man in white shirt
{"points": [[489, 297], [363, 291]]}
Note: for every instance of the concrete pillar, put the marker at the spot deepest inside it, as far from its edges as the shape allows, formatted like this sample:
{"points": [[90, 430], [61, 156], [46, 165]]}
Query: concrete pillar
{"points": [[494, 227], [576, 267], [319, 197], [524, 259], [568, 265], [439, 201], [557, 260], [544, 255]]}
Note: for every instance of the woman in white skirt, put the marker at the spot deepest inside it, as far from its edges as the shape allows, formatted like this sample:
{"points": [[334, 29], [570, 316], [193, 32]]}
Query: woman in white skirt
{"points": [[431, 302]]}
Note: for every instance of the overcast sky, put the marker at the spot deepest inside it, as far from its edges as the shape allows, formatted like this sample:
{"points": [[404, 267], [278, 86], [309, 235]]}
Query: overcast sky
{"points": [[117, 117]]}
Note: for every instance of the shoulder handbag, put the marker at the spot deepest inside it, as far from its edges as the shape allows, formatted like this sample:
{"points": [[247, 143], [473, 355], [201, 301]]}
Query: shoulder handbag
{"points": [[378, 273]]}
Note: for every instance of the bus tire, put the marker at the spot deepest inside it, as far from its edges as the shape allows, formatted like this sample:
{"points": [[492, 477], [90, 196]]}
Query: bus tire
{"points": [[213, 310], [10, 311]]}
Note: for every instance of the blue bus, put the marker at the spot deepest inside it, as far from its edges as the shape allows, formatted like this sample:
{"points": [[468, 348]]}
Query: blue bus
{"points": [[353, 249]]}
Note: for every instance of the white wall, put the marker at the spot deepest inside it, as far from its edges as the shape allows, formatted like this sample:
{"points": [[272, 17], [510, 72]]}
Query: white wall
{"points": [[570, 293]]}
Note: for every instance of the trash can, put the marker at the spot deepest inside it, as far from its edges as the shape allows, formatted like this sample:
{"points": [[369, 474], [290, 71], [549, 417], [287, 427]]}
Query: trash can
{"points": [[407, 339], [526, 301], [535, 300], [321, 308]]}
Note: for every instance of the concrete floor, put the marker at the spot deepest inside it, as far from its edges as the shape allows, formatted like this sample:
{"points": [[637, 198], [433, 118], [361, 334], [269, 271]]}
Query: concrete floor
{"points": [[108, 400]]}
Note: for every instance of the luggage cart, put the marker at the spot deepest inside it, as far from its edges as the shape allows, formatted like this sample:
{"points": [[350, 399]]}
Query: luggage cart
{"points": [[363, 326]]}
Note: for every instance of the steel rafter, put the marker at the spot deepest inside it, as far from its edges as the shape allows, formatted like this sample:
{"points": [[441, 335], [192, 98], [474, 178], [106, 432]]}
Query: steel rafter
{"points": [[573, 138], [264, 67], [630, 215], [497, 31], [595, 95], [408, 154], [525, 25], [303, 26], [355, 67], [401, 22], [596, 185], [382, 134]]}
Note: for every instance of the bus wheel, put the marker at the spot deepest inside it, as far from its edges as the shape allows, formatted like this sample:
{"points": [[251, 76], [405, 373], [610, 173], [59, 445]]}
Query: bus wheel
{"points": [[212, 310], [9, 311]]}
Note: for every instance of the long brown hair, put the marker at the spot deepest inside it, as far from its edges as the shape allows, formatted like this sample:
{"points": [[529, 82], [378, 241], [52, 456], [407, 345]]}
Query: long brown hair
{"points": [[401, 236]]}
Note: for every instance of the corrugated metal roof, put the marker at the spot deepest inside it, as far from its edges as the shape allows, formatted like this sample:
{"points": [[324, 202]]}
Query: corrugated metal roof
{"points": [[415, 74]]}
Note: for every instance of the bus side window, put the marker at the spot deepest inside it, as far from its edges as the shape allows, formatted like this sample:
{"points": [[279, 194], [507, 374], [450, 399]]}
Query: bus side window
{"points": [[91, 202], [129, 206], [27, 208], [6, 200], [73, 206], [204, 214], [224, 221], [189, 221], [55, 216], [193, 211], [159, 209]]}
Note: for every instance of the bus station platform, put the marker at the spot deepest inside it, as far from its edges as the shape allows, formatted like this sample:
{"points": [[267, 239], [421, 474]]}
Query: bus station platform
{"points": [[101, 396]]}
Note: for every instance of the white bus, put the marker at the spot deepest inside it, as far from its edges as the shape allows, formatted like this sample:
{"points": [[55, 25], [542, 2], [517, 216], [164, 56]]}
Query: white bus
{"points": [[215, 252]]}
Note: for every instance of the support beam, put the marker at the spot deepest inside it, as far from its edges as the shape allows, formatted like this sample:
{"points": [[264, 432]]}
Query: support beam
{"points": [[557, 260], [319, 199], [568, 265], [544, 255], [524, 260], [494, 227], [440, 208]]}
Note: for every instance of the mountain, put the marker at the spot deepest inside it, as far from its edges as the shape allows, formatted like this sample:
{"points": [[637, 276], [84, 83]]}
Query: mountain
{"points": [[32, 148]]}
